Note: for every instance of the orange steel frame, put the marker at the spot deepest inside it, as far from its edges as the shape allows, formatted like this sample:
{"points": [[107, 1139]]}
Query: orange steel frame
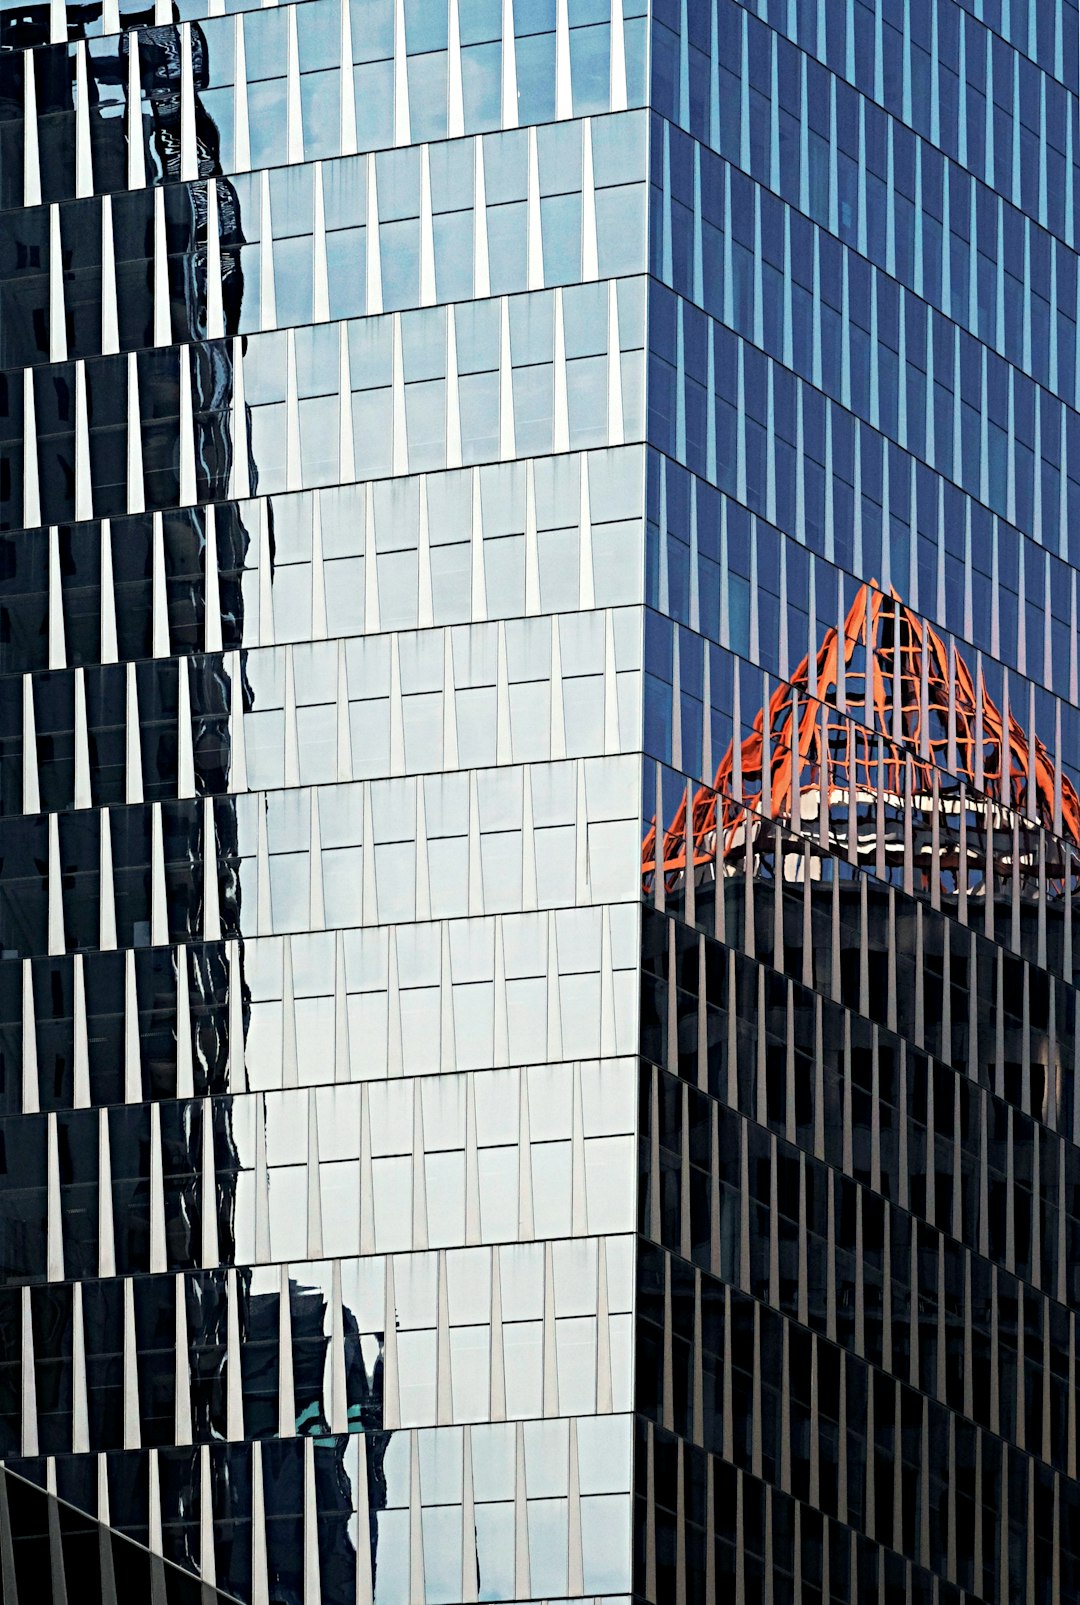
{"points": [[893, 673]]}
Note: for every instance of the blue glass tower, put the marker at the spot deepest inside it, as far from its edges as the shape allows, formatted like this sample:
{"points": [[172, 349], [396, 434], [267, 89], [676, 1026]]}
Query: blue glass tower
{"points": [[857, 1293]]}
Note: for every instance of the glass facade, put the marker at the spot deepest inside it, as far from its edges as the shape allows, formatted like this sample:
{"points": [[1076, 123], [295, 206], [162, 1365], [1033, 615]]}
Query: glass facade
{"points": [[857, 1293], [540, 775]]}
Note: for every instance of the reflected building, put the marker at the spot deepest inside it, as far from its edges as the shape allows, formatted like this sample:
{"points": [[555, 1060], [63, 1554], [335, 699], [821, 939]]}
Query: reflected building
{"points": [[540, 801], [886, 753]]}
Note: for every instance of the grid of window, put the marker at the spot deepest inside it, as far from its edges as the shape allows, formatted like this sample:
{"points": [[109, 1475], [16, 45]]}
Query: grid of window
{"points": [[48, 1541], [865, 1223], [723, 572], [859, 1140], [539, 717], [323, 334]]}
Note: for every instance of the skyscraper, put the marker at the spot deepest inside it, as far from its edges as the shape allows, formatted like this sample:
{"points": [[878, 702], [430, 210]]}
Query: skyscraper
{"points": [[856, 1303], [541, 792]]}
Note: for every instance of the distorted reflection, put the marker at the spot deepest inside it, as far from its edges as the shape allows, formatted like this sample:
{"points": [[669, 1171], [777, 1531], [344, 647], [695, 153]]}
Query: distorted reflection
{"points": [[884, 751]]}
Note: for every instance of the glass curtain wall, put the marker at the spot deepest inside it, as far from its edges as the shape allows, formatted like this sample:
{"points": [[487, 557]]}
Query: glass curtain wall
{"points": [[540, 791], [322, 495], [857, 1289]]}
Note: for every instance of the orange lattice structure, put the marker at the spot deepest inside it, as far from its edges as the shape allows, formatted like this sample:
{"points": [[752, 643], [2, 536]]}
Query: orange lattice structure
{"points": [[880, 713]]}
